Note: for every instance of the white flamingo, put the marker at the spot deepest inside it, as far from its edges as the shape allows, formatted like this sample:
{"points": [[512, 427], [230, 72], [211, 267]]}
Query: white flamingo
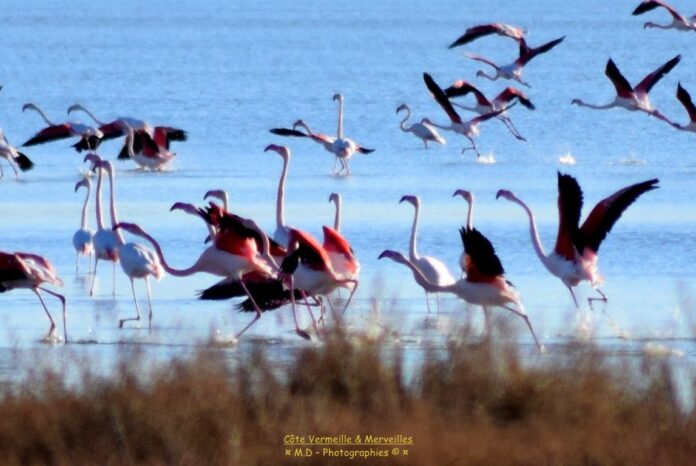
{"points": [[679, 21], [424, 131], [82, 239]]}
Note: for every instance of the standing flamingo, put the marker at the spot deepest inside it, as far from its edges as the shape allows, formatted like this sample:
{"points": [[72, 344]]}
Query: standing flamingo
{"points": [[106, 242], [24, 270], [433, 269], [484, 105], [685, 99], [679, 21], [424, 131], [485, 283], [13, 157], [633, 98], [82, 239], [574, 257], [468, 129], [514, 70], [473, 33], [343, 147], [469, 198], [336, 199], [282, 232], [90, 138]]}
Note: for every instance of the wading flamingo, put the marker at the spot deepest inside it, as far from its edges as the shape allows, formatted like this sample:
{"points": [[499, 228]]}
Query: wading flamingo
{"points": [[423, 131], [82, 239], [679, 21], [469, 198], [90, 138], [282, 231], [24, 270], [343, 147], [13, 156]]}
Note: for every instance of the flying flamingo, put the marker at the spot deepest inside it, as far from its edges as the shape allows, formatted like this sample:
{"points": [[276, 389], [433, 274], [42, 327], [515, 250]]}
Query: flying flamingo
{"points": [[433, 269], [137, 261], [423, 131], [13, 157], [485, 284], [685, 99], [24, 270], [82, 239], [679, 22], [514, 70], [336, 199], [152, 141], [468, 129], [90, 138], [282, 232], [106, 242], [484, 105], [473, 33], [633, 98], [574, 257]]}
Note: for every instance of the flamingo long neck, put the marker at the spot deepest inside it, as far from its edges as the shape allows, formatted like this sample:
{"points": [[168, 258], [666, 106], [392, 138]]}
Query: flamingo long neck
{"points": [[92, 116], [534, 233], [84, 208], [650, 24], [170, 270], [414, 232], [43, 115], [596, 107], [403, 122], [465, 107], [337, 218], [339, 132], [492, 77], [98, 200], [470, 213], [280, 201], [112, 204], [429, 286]]}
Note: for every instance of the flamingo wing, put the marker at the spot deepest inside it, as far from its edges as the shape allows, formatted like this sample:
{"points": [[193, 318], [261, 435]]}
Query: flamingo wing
{"points": [[488, 116], [364, 150], [569, 208], [481, 263], [476, 32], [461, 88], [527, 53], [142, 142], [623, 87], [51, 133], [441, 98], [288, 132], [653, 78], [648, 5], [112, 130], [511, 93], [164, 135], [685, 98], [607, 212]]}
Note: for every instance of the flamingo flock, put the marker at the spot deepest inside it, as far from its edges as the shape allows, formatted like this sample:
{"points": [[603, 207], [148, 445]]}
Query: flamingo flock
{"points": [[290, 267]]}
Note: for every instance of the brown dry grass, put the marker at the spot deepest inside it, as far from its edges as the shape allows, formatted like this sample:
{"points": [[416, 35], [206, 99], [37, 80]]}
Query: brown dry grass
{"points": [[471, 404]]}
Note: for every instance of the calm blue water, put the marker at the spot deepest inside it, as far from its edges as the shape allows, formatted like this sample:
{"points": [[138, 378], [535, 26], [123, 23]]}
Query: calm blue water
{"points": [[228, 72]]}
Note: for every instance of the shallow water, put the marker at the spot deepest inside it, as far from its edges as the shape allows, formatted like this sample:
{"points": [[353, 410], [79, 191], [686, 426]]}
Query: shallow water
{"points": [[228, 72]]}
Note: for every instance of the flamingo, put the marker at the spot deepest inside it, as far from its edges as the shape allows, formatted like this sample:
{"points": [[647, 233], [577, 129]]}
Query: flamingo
{"points": [[433, 269], [679, 22], [633, 98], [473, 33], [24, 270], [90, 138], [469, 198], [13, 156], [137, 261], [234, 254], [336, 199], [468, 129], [574, 257], [685, 99], [484, 105], [282, 231], [421, 130], [343, 147], [106, 242], [82, 239], [513, 70], [485, 284], [152, 142]]}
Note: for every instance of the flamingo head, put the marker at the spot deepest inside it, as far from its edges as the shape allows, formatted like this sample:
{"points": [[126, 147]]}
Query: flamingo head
{"points": [[106, 165], [29, 106], [505, 194], [335, 197], [465, 194], [92, 158], [401, 108], [131, 228], [217, 194], [426, 121], [76, 107], [186, 207], [83, 182], [413, 200], [480, 74], [575, 101], [283, 151], [393, 255], [338, 96]]}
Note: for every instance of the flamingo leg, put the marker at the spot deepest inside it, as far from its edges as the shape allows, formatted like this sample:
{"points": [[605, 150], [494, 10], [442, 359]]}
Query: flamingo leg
{"points": [[572, 294], [524, 83], [61, 298], [524, 316], [77, 263], [12, 166], [52, 329], [298, 331], [137, 309], [427, 301], [113, 277], [487, 320], [256, 306], [602, 298], [355, 287], [336, 317], [311, 314], [511, 127], [473, 146], [149, 303], [2, 174], [94, 277], [437, 299], [425, 143]]}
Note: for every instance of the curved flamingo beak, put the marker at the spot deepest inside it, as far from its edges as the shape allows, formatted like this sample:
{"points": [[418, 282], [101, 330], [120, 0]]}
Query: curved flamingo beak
{"points": [[503, 193], [400, 108], [337, 97], [408, 198], [74, 108], [82, 182]]}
